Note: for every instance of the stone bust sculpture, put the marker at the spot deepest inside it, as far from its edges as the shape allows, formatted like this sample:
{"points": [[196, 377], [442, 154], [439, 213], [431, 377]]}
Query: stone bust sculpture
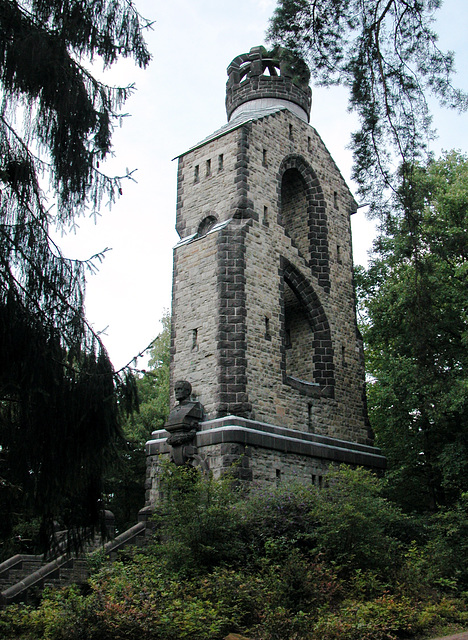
{"points": [[182, 423], [182, 390]]}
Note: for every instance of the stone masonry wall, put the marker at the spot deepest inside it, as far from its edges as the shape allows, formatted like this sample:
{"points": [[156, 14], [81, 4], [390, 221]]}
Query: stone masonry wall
{"points": [[229, 285], [274, 401], [294, 211], [299, 339], [194, 351], [206, 183], [256, 465]]}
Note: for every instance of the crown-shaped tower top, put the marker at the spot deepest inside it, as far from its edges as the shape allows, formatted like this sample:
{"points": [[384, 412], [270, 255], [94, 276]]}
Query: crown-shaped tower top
{"points": [[261, 79]]}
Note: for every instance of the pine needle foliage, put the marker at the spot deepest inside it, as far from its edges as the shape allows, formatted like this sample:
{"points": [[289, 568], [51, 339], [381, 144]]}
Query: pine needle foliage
{"points": [[385, 53], [59, 395]]}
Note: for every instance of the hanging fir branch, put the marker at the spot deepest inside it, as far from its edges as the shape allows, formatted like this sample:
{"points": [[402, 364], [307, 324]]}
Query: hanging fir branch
{"points": [[59, 396], [385, 52]]}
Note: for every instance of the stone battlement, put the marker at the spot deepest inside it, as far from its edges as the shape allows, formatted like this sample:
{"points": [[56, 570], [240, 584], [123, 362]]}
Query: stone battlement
{"points": [[262, 79]]}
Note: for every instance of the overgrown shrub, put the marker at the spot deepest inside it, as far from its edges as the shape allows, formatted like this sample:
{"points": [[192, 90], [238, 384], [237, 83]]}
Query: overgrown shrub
{"points": [[446, 555], [273, 521], [357, 528], [294, 562], [196, 524]]}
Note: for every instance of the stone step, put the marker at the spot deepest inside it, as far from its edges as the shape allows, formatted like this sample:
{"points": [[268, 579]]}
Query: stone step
{"points": [[73, 569], [25, 568]]}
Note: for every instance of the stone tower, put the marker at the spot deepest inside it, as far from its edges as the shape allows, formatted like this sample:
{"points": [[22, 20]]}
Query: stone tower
{"points": [[263, 309]]}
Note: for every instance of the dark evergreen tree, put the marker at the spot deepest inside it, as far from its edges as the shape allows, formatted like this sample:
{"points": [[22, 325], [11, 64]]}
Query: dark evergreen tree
{"points": [[59, 395], [386, 54]]}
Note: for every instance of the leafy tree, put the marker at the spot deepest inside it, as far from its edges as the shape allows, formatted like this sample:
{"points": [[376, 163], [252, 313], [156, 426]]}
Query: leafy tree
{"points": [[58, 400], [153, 387], [125, 485], [413, 304], [386, 54]]}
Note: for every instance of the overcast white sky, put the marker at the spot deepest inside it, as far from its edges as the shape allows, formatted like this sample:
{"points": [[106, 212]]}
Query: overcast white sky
{"points": [[178, 102]]}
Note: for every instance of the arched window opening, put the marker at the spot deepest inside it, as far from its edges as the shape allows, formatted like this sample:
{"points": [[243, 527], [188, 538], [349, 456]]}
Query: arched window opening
{"points": [[206, 225], [294, 210], [304, 215], [308, 355], [299, 338]]}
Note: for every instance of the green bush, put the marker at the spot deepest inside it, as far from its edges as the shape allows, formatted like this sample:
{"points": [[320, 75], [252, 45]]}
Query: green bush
{"points": [[294, 562], [384, 618], [16, 621], [196, 523], [357, 527], [273, 521], [447, 550]]}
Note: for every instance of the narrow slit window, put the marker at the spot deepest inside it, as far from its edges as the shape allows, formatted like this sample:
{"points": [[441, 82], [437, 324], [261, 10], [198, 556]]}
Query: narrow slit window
{"points": [[335, 199], [194, 339], [196, 173], [220, 162], [291, 130], [208, 167], [309, 144], [310, 418], [267, 329], [265, 216], [338, 253], [265, 158]]}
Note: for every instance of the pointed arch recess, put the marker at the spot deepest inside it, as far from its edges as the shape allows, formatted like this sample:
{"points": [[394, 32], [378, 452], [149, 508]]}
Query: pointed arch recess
{"points": [[322, 353], [318, 257]]}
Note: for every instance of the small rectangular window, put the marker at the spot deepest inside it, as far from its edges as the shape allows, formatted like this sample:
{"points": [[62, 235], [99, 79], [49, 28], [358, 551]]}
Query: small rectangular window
{"points": [[338, 254], [196, 173], [267, 329], [309, 144], [208, 167], [291, 136], [310, 416], [265, 216], [194, 339], [220, 162], [317, 479], [265, 158], [335, 199]]}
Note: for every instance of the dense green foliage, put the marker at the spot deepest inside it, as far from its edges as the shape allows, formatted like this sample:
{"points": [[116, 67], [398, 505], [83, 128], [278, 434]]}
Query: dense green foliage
{"points": [[294, 562], [415, 326], [386, 54], [124, 486], [59, 395]]}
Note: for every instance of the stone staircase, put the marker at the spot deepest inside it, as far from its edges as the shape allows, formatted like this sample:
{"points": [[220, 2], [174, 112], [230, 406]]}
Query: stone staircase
{"points": [[23, 577]]}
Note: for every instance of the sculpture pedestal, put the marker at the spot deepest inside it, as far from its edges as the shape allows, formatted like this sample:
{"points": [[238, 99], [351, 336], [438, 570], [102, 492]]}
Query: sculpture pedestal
{"points": [[261, 453]]}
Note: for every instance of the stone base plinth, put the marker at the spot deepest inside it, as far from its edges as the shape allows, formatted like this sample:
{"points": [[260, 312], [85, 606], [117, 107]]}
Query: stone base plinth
{"points": [[261, 453]]}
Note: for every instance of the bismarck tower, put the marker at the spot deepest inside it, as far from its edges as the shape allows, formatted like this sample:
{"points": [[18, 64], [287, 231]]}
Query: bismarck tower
{"points": [[263, 310]]}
